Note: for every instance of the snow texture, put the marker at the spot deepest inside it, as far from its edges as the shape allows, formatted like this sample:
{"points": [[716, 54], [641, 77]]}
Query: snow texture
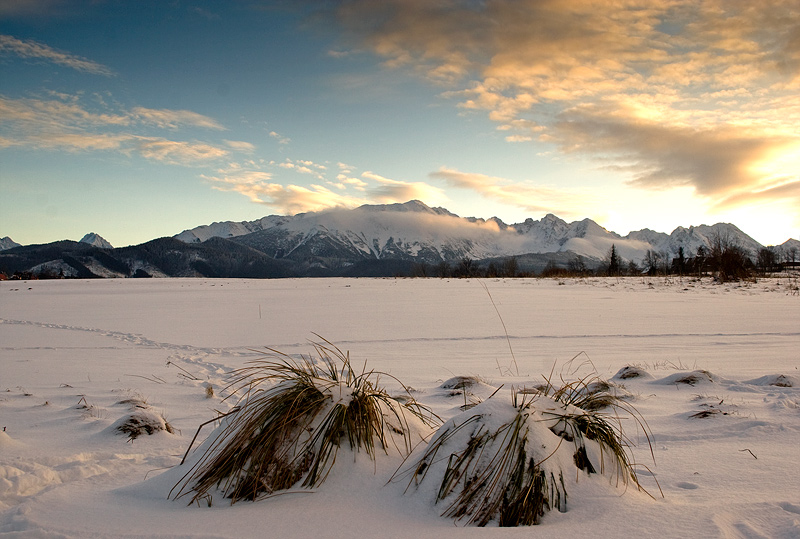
{"points": [[79, 357]]}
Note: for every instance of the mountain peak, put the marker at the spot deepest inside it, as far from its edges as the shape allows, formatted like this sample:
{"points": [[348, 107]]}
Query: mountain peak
{"points": [[96, 240], [7, 243]]}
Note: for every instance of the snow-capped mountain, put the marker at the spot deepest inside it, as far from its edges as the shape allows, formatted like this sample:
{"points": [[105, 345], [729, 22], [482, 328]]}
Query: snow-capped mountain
{"points": [[7, 243], [415, 231], [692, 238], [96, 240], [788, 251], [229, 229]]}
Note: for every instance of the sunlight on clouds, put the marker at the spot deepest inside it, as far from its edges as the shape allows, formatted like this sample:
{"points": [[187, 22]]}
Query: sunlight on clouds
{"points": [[304, 167], [714, 161], [534, 199], [40, 114], [172, 119], [259, 187], [177, 152], [355, 183], [241, 146], [670, 93], [65, 124], [260, 181], [389, 191], [75, 142]]}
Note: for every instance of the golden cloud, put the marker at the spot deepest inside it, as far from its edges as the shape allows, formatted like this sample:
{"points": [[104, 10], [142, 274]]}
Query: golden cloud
{"points": [[257, 182], [177, 152], [172, 119], [64, 124], [528, 196], [674, 92], [286, 199], [388, 191]]}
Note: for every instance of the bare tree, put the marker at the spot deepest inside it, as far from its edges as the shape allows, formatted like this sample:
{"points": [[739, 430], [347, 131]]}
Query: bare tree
{"points": [[652, 262], [577, 265], [727, 259], [766, 260]]}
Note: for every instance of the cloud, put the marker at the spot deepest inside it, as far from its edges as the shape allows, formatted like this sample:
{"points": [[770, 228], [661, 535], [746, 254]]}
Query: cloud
{"points": [[240, 146], [390, 191], [668, 93], [532, 198], [65, 124], [175, 152], [173, 119], [304, 167], [716, 161], [280, 138], [788, 190], [40, 51], [261, 182], [259, 187], [355, 183], [55, 113]]}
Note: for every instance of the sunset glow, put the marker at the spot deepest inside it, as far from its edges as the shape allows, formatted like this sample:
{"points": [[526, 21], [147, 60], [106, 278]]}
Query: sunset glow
{"points": [[140, 121]]}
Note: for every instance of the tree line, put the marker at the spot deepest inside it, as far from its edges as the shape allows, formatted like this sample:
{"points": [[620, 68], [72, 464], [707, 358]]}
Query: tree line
{"points": [[724, 259]]}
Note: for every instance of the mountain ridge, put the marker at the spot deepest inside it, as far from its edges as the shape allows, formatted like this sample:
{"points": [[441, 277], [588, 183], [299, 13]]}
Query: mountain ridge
{"points": [[357, 231], [373, 240]]}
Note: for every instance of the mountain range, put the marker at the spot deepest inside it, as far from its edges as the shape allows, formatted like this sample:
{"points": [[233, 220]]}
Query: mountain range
{"points": [[371, 240]]}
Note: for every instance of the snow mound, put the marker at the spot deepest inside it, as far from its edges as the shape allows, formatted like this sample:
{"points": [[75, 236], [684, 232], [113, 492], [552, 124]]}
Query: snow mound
{"points": [[689, 378], [629, 372], [778, 380], [511, 461], [464, 383], [7, 441]]}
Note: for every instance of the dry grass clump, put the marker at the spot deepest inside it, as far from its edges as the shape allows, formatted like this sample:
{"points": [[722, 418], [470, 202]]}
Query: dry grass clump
{"points": [[691, 378], [142, 421], [461, 382], [289, 433], [776, 380], [507, 461], [629, 372]]}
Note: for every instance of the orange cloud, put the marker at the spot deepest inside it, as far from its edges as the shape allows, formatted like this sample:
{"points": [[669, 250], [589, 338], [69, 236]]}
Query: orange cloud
{"points": [[65, 124], [257, 185], [530, 197], [671, 92], [389, 191]]}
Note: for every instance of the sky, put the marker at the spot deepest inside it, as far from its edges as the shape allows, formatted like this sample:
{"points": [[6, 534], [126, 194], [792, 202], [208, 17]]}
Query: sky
{"points": [[138, 120]]}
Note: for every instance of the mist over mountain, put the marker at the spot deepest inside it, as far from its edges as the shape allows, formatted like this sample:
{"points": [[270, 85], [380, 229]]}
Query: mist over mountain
{"points": [[415, 231], [372, 240]]}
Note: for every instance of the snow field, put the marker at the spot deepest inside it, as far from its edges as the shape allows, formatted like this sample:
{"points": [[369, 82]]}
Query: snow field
{"points": [[73, 352]]}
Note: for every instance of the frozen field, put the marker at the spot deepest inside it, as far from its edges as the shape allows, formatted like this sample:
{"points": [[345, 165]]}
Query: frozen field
{"points": [[70, 351]]}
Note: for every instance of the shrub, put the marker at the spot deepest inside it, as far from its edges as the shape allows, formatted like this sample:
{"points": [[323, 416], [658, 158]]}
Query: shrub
{"points": [[289, 434], [507, 462]]}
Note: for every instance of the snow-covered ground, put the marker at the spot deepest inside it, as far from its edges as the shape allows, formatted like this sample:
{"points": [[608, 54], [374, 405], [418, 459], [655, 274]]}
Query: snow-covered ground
{"points": [[72, 351]]}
